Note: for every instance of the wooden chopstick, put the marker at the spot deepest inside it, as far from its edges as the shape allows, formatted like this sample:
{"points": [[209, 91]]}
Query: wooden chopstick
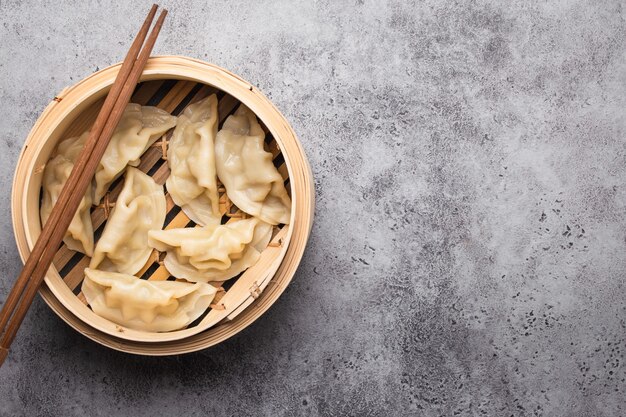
{"points": [[71, 183], [40, 259]]}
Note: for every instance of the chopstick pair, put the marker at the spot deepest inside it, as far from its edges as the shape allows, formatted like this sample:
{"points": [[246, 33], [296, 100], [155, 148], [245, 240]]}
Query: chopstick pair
{"points": [[25, 288]]}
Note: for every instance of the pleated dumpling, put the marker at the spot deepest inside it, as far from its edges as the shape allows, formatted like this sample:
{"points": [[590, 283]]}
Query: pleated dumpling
{"points": [[152, 306], [140, 207], [212, 252], [251, 180], [192, 183], [138, 129], [79, 236]]}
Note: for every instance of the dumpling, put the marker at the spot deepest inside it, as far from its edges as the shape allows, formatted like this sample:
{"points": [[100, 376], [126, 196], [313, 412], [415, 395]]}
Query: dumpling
{"points": [[138, 129], [192, 183], [251, 180], [140, 207], [212, 252], [79, 236], [152, 306]]}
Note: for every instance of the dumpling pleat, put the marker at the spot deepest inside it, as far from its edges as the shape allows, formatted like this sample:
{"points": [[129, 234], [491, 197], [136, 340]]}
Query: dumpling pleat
{"points": [[155, 306], [192, 182], [140, 207], [251, 180], [212, 253]]}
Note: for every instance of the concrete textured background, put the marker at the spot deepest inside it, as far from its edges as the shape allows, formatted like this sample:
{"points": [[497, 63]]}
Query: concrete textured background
{"points": [[469, 248]]}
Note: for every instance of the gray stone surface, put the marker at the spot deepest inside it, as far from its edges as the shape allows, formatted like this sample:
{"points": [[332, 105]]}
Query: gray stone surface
{"points": [[469, 248]]}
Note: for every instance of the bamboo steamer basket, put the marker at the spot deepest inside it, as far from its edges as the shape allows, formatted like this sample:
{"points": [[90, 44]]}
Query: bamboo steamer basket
{"points": [[171, 83]]}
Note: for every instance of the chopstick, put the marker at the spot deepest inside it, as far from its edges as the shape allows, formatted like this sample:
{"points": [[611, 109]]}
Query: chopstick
{"points": [[25, 288]]}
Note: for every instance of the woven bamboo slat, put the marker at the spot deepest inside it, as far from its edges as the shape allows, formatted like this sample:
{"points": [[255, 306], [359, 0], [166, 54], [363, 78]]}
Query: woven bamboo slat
{"points": [[170, 83]]}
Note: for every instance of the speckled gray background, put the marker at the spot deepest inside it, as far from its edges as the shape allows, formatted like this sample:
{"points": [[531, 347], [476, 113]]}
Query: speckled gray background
{"points": [[469, 248]]}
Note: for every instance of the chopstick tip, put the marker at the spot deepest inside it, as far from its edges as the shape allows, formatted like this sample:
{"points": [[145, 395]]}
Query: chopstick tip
{"points": [[160, 20], [153, 11]]}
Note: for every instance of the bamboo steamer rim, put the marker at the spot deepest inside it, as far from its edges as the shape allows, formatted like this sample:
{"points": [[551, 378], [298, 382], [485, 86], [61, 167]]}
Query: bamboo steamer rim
{"points": [[182, 68], [74, 100]]}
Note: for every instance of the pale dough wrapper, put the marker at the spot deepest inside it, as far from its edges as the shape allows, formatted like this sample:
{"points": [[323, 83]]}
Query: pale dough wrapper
{"points": [[251, 180], [79, 235], [139, 128], [152, 306], [213, 252], [192, 183], [140, 207]]}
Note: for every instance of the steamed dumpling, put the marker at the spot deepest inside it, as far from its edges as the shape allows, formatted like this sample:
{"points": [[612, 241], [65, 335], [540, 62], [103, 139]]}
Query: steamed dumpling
{"points": [[79, 236], [192, 183], [138, 129], [251, 180], [152, 306], [140, 207], [213, 252]]}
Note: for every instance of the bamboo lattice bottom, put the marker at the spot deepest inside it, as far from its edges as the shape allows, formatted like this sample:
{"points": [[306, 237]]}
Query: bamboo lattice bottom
{"points": [[172, 96]]}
